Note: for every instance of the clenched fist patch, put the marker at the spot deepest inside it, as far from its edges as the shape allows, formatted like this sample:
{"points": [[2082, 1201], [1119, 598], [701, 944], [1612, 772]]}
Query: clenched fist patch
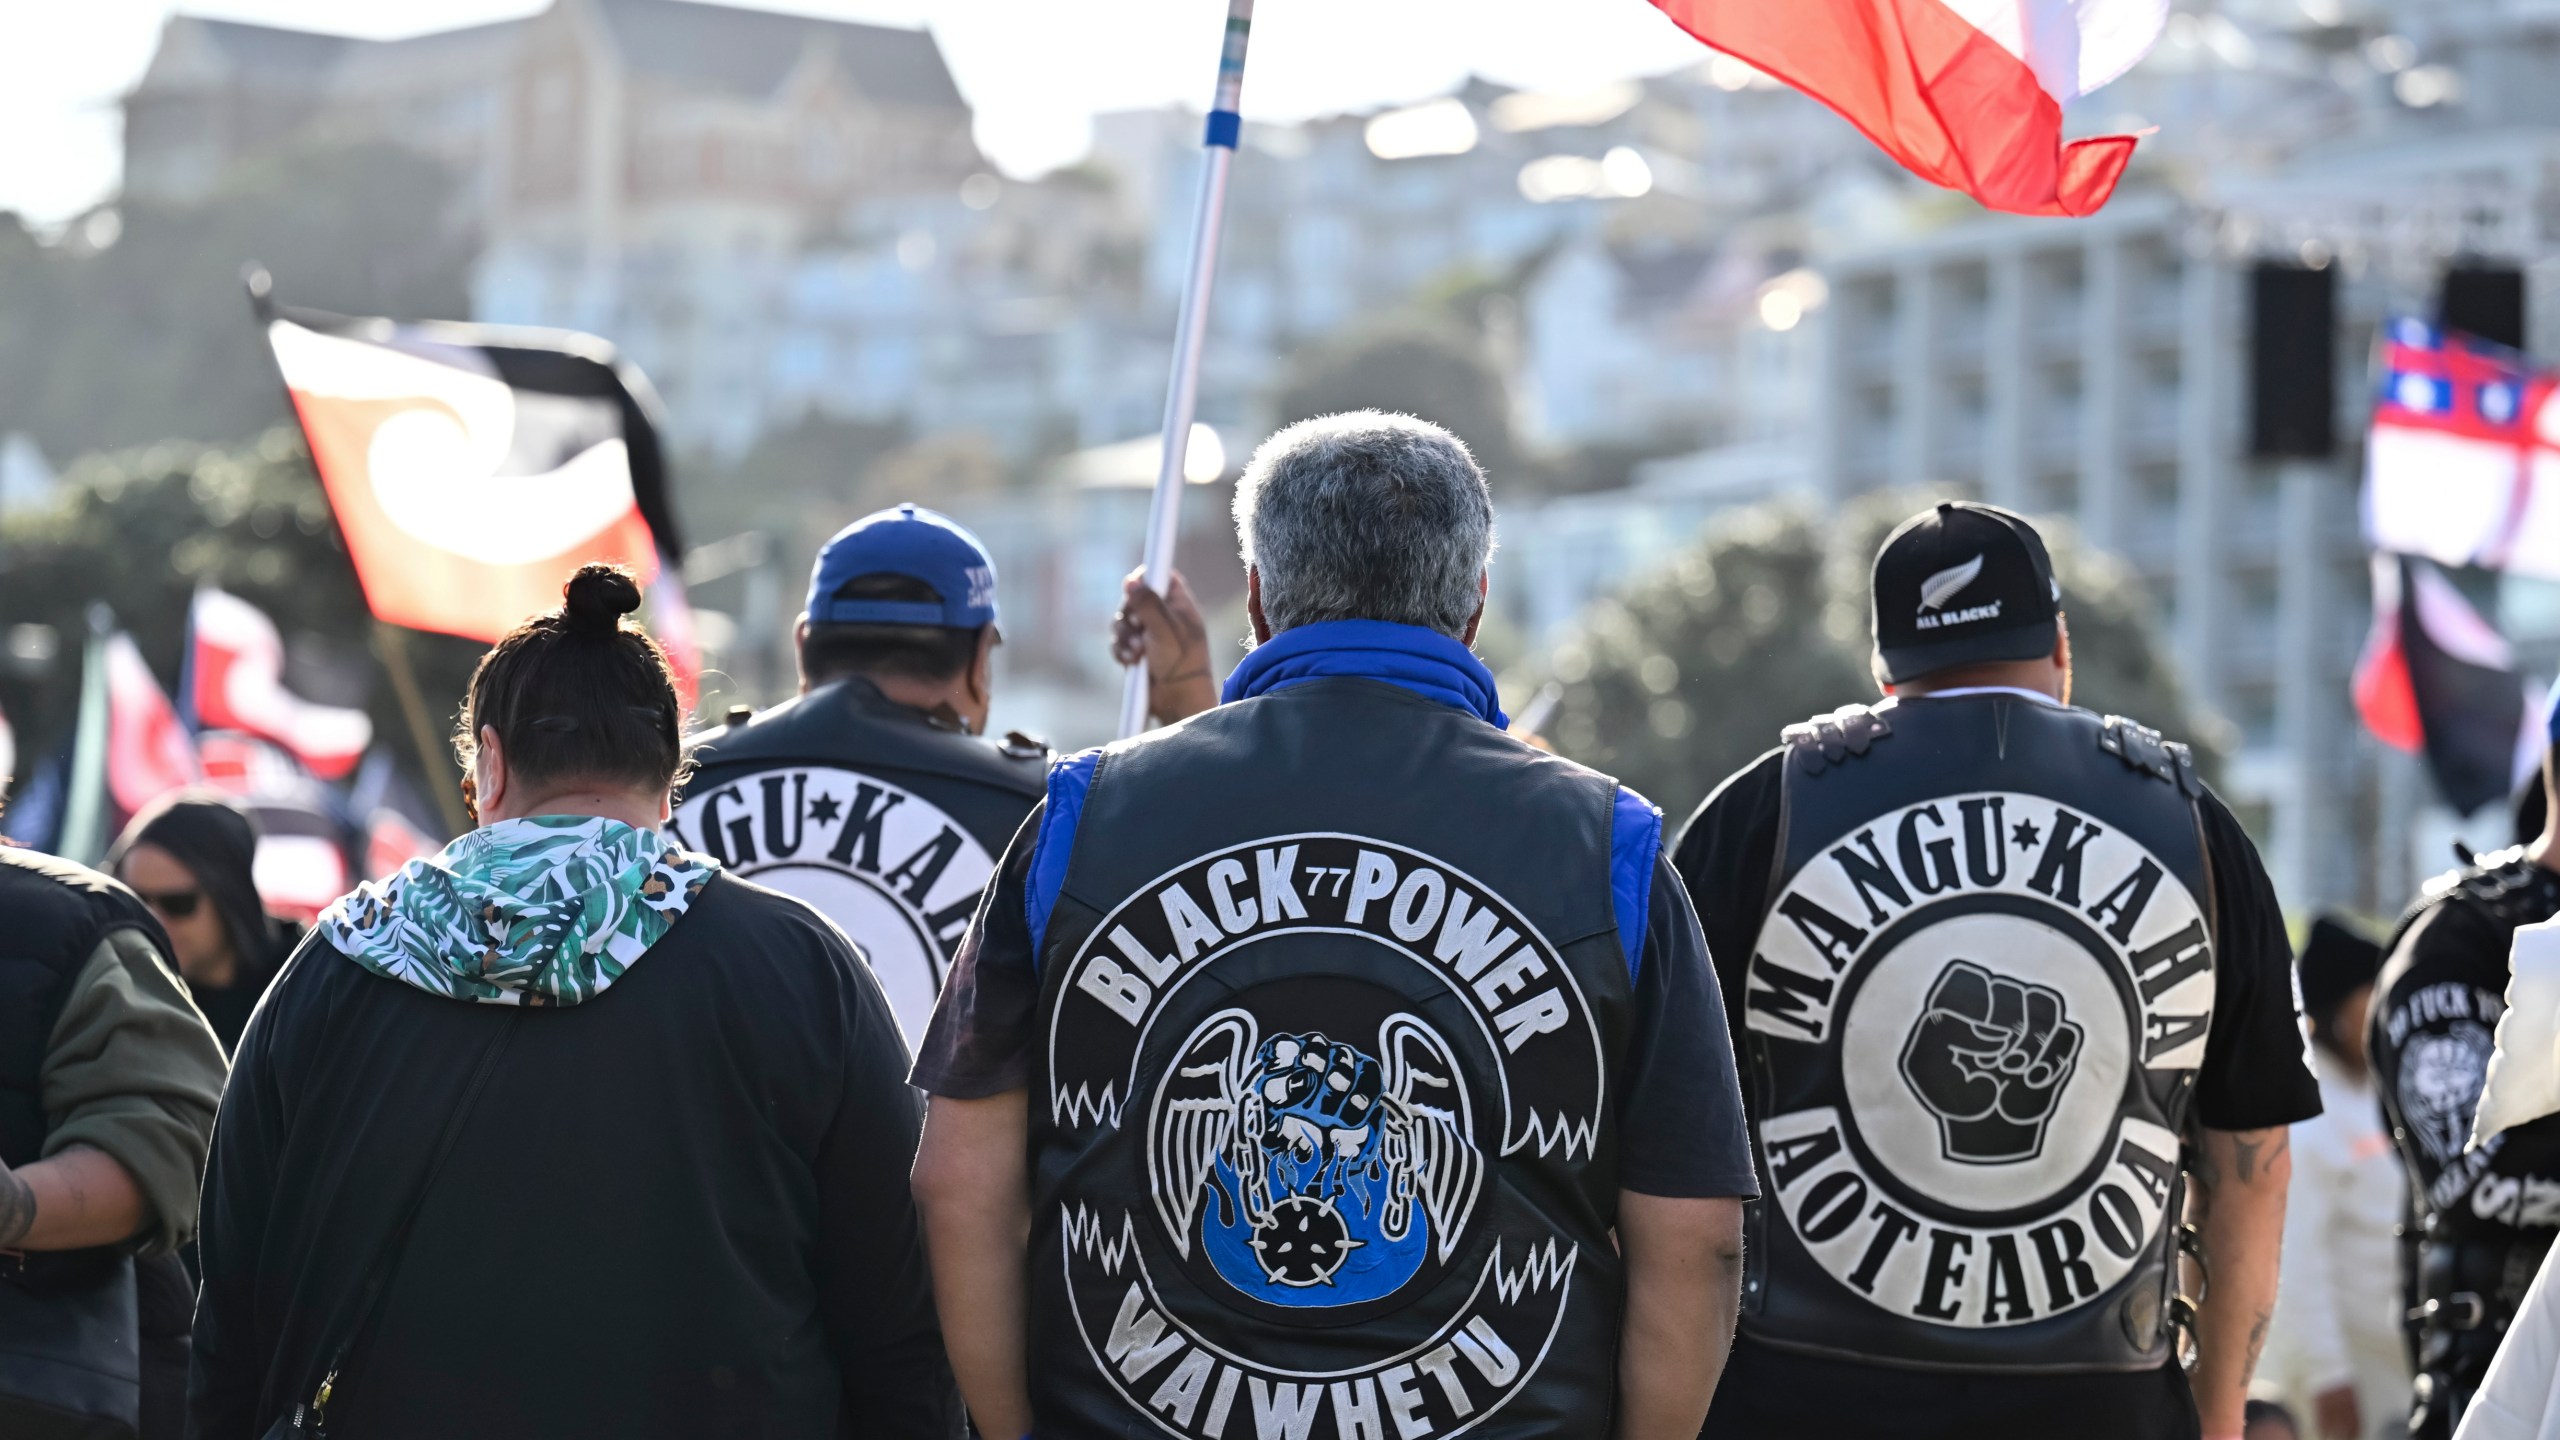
{"points": [[1989, 1057], [1970, 1012]]}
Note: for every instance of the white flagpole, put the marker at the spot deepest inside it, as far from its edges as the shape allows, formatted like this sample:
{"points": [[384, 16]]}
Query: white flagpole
{"points": [[1182, 393]]}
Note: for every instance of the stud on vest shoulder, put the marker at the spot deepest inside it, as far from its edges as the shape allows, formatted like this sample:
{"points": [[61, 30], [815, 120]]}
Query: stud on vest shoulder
{"points": [[1828, 740]]}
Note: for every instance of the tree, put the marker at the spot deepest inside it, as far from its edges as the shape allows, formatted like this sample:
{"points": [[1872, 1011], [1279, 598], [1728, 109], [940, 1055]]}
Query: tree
{"points": [[150, 338], [1696, 667], [800, 481], [1412, 366], [139, 530]]}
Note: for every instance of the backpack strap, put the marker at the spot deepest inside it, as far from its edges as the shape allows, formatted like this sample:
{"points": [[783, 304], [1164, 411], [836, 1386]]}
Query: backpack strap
{"points": [[311, 1417]]}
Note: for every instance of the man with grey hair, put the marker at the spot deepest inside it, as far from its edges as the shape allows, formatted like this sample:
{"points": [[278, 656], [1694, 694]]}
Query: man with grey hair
{"points": [[1331, 1063]]}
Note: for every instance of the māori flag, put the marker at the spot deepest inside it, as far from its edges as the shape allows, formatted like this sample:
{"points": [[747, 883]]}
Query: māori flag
{"points": [[473, 468]]}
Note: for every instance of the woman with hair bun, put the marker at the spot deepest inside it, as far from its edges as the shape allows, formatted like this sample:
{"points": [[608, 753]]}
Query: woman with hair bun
{"points": [[564, 1131]]}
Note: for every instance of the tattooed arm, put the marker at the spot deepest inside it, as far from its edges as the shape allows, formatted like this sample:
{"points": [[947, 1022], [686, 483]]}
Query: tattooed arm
{"points": [[2238, 1208], [78, 1198]]}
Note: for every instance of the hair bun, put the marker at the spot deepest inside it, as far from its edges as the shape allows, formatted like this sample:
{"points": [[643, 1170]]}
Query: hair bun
{"points": [[598, 596]]}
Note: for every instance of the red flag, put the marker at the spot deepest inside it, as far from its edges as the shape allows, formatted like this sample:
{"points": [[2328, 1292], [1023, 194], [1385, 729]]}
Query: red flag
{"points": [[236, 682], [390, 842], [474, 469], [670, 620], [149, 752], [2384, 696], [1965, 93]]}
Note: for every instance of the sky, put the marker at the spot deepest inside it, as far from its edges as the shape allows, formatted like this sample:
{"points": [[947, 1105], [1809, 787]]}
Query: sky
{"points": [[1035, 71]]}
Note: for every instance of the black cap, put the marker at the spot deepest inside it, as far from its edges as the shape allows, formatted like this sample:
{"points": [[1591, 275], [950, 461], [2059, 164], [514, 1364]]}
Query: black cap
{"points": [[2337, 959], [1963, 584]]}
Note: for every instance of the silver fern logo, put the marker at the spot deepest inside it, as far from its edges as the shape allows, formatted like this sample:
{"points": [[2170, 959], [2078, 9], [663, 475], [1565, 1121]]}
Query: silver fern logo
{"points": [[1947, 584]]}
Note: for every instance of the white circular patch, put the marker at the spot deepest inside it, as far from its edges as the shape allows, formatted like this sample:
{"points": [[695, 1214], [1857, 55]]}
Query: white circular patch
{"points": [[895, 873], [1896, 1121]]}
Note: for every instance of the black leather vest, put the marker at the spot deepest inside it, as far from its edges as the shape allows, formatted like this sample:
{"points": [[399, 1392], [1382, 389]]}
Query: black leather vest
{"points": [[52, 916], [1332, 1001], [866, 809], [1973, 1018], [2438, 1016]]}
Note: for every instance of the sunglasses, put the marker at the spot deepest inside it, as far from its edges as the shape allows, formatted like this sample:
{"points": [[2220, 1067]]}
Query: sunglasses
{"points": [[175, 904]]}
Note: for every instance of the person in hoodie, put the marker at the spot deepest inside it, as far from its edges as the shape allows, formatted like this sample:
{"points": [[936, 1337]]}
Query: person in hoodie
{"points": [[565, 1131], [190, 855]]}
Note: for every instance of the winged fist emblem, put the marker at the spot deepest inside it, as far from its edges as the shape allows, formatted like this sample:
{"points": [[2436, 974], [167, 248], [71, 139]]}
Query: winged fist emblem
{"points": [[1318, 1173]]}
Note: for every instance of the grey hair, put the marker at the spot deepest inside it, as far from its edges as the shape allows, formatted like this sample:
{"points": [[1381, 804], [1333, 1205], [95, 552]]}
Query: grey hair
{"points": [[1366, 516]]}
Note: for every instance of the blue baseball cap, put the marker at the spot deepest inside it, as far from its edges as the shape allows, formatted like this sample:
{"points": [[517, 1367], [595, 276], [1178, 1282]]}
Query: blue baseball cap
{"points": [[912, 541]]}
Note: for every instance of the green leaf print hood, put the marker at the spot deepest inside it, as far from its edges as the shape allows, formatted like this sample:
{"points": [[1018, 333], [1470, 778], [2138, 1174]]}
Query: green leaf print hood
{"points": [[545, 910]]}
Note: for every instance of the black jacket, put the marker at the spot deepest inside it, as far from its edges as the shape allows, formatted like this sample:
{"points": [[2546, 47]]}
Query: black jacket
{"points": [[55, 914], [678, 1209]]}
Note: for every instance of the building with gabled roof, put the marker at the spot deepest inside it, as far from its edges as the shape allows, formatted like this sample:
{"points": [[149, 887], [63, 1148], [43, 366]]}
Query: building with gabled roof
{"points": [[643, 169], [595, 122]]}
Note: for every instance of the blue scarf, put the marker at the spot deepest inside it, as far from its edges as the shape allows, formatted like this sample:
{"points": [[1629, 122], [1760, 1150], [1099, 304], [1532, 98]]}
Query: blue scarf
{"points": [[1425, 662]]}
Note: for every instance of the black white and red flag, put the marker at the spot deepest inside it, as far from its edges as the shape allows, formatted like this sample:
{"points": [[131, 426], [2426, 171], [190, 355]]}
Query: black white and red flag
{"points": [[473, 468], [2436, 678]]}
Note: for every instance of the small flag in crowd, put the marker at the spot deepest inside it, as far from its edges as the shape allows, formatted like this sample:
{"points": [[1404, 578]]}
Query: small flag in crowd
{"points": [[387, 811], [301, 861], [148, 750], [2463, 462], [2437, 679], [391, 840], [1965, 93], [235, 674], [473, 468]]}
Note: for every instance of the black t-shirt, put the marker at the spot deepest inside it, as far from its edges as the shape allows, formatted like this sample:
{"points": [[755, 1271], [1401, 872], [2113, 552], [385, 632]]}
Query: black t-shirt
{"points": [[2255, 1076], [1678, 1131]]}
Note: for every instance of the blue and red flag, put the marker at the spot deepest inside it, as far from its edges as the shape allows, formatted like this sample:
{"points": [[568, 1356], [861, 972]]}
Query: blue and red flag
{"points": [[2462, 464]]}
